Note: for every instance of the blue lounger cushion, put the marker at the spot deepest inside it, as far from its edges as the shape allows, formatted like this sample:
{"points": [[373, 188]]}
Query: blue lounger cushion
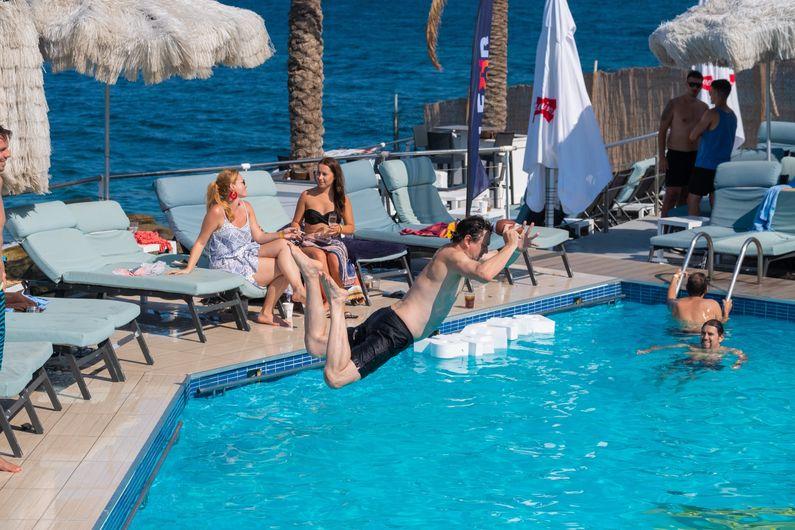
{"points": [[774, 244], [117, 312], [20, 360], [198, 283], [25, 357], [62, 329]]}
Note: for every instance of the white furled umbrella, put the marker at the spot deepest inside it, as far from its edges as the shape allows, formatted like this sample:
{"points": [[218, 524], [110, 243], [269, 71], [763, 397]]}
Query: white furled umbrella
{"points": [[563, 133], [153, 39], [23, 107], [731, 33]]}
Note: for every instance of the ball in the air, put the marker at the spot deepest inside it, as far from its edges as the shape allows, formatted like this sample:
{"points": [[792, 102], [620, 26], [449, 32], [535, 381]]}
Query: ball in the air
{"points": [[502, 224]]}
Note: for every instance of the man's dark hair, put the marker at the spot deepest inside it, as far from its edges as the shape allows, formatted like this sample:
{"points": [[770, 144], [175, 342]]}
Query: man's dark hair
{"points": [[5, 133], [722, 87], [473, 226], [695, 74], [697, 284], [717, 324]]}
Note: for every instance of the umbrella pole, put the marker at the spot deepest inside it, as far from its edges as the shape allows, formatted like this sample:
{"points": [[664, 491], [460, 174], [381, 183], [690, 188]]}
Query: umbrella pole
{"points": [[768, 105], [105, 187], [551, 188]]}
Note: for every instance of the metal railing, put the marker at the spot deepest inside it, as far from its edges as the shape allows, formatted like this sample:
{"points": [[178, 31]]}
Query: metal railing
{"points": [[691, 249], [377, 151], [760, 264]]}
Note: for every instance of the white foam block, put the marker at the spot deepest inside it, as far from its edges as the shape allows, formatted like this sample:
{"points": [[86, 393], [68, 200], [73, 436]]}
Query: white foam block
{"points": [[479, 345], [499, 335], [536, 324], [447, 347], [507, 323]]}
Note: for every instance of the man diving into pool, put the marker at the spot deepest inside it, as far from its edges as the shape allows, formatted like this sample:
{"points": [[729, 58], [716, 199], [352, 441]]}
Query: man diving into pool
{"points": [[354, 353], [711, 352]]}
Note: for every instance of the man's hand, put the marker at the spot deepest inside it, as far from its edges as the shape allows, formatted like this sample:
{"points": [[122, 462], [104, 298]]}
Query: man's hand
{"points": [[527, 237], [512, 234], [727, 307], [2, 275], [679, 274], [644, 352]]}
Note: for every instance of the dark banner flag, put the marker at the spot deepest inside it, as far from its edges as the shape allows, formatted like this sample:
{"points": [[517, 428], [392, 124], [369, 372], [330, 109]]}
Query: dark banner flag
{"points": [[477, 179]]}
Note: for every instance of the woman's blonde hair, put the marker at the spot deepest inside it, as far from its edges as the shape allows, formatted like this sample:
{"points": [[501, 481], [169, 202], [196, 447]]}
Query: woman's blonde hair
{"points": [[218, 191]]}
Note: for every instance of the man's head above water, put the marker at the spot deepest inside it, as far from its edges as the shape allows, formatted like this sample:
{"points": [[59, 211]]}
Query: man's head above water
{"points": [[711, 334], [473, 234], [697, 284]]}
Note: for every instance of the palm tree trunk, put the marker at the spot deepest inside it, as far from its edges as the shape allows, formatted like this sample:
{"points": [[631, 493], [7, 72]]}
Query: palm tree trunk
{"points": [[496, 112], [305, 78]]}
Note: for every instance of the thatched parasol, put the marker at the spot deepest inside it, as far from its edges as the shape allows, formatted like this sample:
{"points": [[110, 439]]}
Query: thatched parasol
{"points": [[23, 107], [153, 39], [733, 33]]}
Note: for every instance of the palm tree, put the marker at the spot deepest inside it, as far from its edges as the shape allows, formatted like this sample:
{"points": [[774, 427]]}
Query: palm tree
{"points": [[496, 112], [305, 78]]}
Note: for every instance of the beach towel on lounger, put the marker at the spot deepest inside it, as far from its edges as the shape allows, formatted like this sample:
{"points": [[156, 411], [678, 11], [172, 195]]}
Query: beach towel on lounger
{"points": [[336, 247], [764, 216], [440, 229]]}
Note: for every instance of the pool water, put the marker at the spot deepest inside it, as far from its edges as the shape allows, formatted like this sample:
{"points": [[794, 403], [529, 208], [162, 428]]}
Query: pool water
{"points": [[575, 430]]}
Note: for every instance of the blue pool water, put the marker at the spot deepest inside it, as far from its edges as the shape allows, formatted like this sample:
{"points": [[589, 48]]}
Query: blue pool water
{"points": [[372, 50], [575, 430]]}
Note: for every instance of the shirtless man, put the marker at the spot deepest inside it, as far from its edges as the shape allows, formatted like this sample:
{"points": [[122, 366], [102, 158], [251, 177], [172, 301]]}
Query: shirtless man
{"points": [[680, 116], [5, 154], [711, 352], [693, 310], [354, 353]]}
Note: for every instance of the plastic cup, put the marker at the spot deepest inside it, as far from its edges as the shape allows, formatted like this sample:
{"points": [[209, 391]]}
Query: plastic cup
{"points": [[288, 311], [469, 301]]}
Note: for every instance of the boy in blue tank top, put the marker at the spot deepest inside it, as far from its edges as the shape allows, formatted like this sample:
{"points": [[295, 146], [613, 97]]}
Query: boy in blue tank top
{"points": [[716, 130]]}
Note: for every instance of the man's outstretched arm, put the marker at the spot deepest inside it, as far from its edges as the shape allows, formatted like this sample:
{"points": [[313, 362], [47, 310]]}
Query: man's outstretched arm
{"points": [[672, 290]]}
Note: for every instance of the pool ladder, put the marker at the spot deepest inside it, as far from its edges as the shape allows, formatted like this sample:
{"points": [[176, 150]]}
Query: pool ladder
{"points": [[689, 255], [711, 260]]}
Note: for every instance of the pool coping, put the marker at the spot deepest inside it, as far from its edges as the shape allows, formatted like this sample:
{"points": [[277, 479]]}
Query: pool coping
{"points": [[120, 510]]}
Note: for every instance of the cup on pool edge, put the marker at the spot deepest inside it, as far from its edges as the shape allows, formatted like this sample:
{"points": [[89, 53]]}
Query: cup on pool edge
{"points": [[288, 311], [469, 301]]}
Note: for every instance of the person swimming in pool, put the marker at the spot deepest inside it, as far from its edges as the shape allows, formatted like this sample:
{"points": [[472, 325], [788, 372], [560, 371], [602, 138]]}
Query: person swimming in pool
{"points": [[693, 310], [710, 353], [354, 353]]}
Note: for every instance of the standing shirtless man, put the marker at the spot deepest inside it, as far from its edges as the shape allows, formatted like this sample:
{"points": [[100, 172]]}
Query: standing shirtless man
{"points": [[354, 353], [680, 116]]}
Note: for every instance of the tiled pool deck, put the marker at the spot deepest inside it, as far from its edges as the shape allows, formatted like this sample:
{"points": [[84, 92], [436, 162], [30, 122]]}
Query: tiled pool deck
{"points": [[95, 456]]}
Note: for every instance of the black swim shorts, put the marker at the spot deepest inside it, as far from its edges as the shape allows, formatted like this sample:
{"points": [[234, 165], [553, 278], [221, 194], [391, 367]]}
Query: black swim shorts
{"points": [[680, 167], [703, 181], [378, 339]]}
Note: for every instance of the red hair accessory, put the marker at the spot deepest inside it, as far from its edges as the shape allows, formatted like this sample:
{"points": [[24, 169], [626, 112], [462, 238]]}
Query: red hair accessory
{"points": [[232, 195]]}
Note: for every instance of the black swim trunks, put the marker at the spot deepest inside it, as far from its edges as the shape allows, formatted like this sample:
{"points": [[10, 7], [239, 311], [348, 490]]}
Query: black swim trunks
{"points": [[680, 167], [703, 181], [378, 339]]}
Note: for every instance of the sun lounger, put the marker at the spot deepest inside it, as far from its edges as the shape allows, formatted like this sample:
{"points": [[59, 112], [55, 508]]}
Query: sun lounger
{"points": [[739, 189], [182, 199], [22, 373], [782, 137], [409, 184], [637, 197], [70, 333], [80, 245], [777, 243]]}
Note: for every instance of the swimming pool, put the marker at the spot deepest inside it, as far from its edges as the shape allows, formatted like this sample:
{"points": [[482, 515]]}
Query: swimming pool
{"points": [[575, 430]]}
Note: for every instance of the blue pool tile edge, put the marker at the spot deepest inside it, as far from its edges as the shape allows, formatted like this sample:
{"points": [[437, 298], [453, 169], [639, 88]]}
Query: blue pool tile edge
{"points": [[124, 499]]}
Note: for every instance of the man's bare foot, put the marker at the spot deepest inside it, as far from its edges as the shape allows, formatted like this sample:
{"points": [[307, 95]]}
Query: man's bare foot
{"points": [[309, 267], [271, 320], [335, 294], [5, 465], [300, 297]]}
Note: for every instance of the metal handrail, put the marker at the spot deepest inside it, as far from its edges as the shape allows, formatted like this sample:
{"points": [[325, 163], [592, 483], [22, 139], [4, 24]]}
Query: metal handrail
{"points": [[760, 260], [634, 139], [710, 257]]}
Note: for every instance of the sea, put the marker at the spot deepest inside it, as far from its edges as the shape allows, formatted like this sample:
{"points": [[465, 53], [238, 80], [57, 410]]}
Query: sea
{"points": [[372, 51]]}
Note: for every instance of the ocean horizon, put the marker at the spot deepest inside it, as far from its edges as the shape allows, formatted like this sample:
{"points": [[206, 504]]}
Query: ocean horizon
{"points": [[372, 51]]}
